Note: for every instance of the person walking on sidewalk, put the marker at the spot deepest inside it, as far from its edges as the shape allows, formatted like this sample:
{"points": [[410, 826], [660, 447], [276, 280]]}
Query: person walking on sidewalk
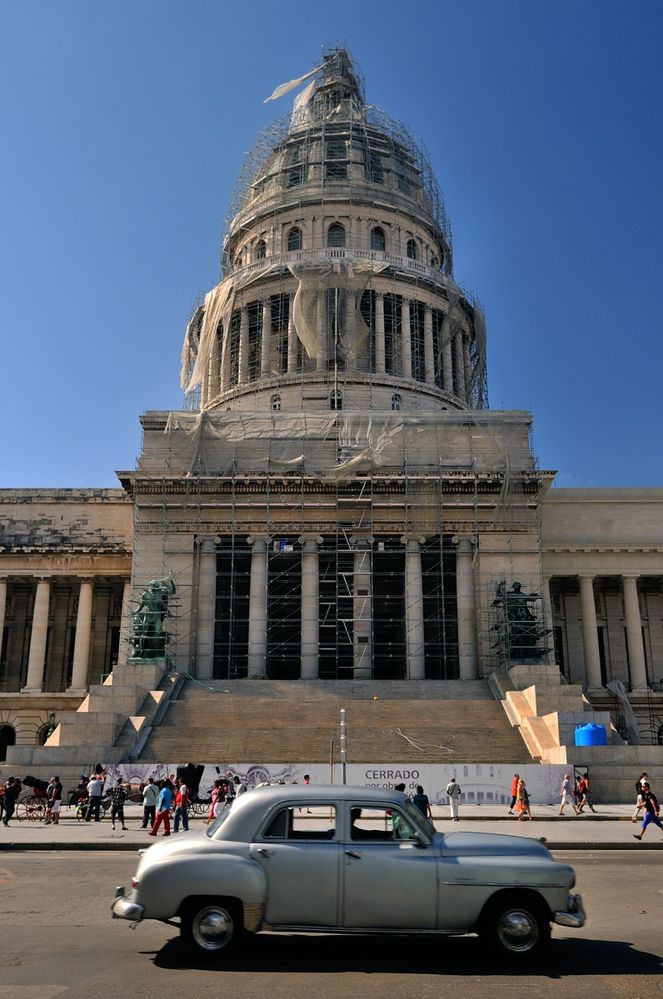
{"points": [[652, 810], [150, 797], [181, 807], [422, 802], [522, 804], [566, 795], [453, 793], [639, 803], [95, 789], [163, 809], [54, 795], [118, 796], [585, 794], [514, 793], [12, 791]]}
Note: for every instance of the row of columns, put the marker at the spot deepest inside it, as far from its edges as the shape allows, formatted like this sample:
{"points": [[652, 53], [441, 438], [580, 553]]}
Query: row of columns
{"points": [[310, 608], [633, 623], [39, 632], [455, 350]]}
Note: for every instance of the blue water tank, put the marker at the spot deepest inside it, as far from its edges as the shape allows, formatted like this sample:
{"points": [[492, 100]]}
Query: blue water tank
{"points": [[591, 735]]}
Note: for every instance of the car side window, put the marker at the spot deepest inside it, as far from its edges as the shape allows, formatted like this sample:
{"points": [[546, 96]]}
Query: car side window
{"points": [[379, 824], [300, 823]]}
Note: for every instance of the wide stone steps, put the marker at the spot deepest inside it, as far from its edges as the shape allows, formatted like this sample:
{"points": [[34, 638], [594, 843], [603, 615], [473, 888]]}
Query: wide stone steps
{"points": [[212, 726]]}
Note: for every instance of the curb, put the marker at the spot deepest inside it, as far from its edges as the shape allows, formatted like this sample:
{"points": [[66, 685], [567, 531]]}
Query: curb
{"points": [[121, 846]]}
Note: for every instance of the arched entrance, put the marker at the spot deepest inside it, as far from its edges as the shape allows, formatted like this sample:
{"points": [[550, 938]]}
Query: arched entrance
{"points": [[7, 738]]}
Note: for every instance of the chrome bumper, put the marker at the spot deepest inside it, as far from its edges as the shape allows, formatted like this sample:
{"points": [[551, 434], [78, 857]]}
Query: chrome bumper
{"points": [[124, 908], [574, 915]]}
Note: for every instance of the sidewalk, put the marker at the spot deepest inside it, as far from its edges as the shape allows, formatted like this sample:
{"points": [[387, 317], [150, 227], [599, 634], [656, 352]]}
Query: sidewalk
{"points": [[609, 829]]}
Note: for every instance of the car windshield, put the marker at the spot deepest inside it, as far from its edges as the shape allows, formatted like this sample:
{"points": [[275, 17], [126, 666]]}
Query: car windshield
{"points": [[218, 821]]}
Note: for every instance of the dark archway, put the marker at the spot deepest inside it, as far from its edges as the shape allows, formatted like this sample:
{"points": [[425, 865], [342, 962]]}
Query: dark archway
{"points": [[7, 738]]}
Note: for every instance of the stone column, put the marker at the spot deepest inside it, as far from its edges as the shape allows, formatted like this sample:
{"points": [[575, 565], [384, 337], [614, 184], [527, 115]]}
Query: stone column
{"points": [[548, 620], [379, 332], [321, 360], [83, 639], [447, 361], [266, 340], [257, 665], [466, 610], [125, 623], [310, 610], [590, 639], [214, 371], [414, 611], [243, 367], [3, 606], [293, 340], [225, 356], [406, 340], [429, 364], [38, 636], [350, 326], [460, 364], [362, 610], [206, 611], [636, 649], [467, 365]]}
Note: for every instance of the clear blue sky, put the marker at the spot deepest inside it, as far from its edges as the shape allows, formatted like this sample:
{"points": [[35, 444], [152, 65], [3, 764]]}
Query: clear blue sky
{"points": [[124, 124]]}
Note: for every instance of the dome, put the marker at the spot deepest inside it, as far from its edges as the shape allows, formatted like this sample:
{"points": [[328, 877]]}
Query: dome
{"points": [[337, 286]]}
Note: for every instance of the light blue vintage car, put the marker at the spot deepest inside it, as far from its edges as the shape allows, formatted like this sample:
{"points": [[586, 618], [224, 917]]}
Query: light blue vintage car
{"points": [[350, 860]]}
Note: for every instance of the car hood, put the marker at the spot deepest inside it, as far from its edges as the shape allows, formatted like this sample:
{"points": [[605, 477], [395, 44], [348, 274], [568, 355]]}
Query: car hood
{"points": [[475, 844]]}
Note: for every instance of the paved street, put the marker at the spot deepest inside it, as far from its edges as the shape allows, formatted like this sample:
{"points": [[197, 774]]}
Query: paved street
{"points": [[58, 940]]}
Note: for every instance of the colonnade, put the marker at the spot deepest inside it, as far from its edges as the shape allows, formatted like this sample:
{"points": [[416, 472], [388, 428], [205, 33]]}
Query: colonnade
{"points": [[37, 652], [637, 665], [449, 370], [310, 608]]}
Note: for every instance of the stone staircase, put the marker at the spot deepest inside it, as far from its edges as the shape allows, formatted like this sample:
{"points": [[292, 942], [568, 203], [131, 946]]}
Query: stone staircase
{"points": [[546, 711], [271, 721]]}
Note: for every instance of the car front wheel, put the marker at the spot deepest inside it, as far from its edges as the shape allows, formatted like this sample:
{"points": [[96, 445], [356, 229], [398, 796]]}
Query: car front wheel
{"points": [[516, 927], [211, 926]]}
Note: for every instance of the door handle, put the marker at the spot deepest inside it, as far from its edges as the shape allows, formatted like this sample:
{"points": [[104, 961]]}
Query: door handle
{"points": [[265, 853], [351, 853]]}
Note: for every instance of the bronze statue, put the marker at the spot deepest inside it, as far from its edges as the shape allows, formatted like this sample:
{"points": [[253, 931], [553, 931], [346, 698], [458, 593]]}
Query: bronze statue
{"points": [[149, 637], [523, 632]]}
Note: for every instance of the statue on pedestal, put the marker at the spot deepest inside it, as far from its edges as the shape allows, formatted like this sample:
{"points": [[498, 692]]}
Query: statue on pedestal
{"points": [[149, 638], [523, 630]]}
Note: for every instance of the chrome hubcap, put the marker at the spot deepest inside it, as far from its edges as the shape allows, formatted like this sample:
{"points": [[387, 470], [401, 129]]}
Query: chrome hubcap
{"points": [[517, 930], [212, 928]]}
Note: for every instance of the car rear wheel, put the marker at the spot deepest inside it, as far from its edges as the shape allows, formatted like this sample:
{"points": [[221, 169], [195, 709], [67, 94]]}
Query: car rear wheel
{"points": [[211, 926], [516, 927]]}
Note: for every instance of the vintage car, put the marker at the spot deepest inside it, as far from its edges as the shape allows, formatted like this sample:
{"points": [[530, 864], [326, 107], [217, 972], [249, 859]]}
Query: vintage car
{"points": [[349, 860]]}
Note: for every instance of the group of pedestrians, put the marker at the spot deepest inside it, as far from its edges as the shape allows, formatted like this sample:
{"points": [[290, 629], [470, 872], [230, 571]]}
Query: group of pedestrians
{"points": [[520, 803]]}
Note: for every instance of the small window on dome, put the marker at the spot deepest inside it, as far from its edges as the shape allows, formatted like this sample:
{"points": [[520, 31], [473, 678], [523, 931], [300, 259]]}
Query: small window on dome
{"points": [[238, 262], [295, 239], [261, 249], [378, 241], [434, 262], [336, 400], [396, 401], [411, 249], [276, 403], [336, 235]]}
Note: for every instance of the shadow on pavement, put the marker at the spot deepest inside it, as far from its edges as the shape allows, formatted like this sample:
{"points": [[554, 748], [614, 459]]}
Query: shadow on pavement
{"points": [[444, 956]]}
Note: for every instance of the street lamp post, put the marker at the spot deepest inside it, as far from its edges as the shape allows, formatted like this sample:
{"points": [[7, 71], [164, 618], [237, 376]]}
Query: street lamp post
{"points": [[343, 745]]}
